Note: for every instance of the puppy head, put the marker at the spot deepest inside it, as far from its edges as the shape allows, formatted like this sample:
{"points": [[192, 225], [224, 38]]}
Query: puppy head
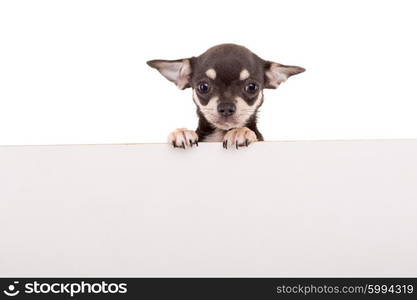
{"points": [[227, 82]]}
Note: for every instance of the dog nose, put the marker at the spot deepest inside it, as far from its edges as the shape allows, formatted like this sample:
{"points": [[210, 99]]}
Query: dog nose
{"points": [[226, 109]]}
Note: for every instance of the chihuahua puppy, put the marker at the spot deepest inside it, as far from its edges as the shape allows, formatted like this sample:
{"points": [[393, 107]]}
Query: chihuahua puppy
{"points": [[227, 84]]}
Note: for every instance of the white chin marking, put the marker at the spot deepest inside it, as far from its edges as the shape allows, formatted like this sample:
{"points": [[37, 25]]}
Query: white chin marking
{"points": [[244, 74], [239, 119], [211, 73]]}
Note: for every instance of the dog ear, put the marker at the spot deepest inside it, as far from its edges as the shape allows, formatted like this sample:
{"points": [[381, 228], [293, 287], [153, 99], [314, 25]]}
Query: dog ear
{"points": [[178, 71], [276, 73]]}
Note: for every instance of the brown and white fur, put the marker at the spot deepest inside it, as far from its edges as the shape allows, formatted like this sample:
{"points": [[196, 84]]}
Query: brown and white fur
{"points": [[227, 82]]}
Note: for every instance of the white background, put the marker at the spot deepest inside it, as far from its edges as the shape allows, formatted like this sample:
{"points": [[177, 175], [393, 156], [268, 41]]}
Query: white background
{"points": [[75, 72]]}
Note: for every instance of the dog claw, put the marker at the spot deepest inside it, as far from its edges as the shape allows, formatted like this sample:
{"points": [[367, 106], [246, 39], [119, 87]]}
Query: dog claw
{"points": [[183, 138], [239, 138]]}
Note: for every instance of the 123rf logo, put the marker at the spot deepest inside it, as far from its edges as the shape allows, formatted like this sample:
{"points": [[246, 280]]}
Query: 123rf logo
{"points": [[65, 288]]}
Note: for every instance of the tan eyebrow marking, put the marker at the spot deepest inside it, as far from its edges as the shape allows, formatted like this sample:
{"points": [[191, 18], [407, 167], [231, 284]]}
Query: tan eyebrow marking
{"points": [[244, 74], [211, 73]]}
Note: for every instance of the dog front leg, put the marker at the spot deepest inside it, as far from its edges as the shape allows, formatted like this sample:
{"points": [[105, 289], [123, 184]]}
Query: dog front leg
{"points": [[183, 138], [239, 137]]}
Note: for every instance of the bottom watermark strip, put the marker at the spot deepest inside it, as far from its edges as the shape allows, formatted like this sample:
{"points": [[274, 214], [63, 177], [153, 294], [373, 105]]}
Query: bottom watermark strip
{"points": [[201, 288]]}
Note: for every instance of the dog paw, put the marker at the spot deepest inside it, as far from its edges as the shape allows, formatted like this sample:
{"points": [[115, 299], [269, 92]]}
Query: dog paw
{"points": [[183, 138], [239, 137]]}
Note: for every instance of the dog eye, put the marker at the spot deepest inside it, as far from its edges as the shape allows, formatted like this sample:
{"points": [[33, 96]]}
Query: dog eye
{"points": [[203, 87], [251, 88]]}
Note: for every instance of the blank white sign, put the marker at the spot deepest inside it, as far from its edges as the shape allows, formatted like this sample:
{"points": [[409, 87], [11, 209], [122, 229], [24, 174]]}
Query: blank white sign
{"points": [[340, 208]]}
